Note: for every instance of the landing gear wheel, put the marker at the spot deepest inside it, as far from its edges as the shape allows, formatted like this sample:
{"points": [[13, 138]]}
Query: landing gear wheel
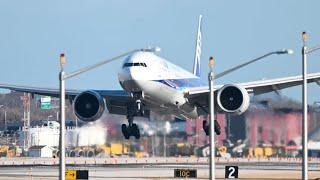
{"points": [[217, 128], [125, 132], [128, 131], [206, 127], [135, 131]]}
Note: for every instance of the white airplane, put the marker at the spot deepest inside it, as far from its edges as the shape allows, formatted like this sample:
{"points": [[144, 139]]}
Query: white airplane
{"points": [[151, 83]]}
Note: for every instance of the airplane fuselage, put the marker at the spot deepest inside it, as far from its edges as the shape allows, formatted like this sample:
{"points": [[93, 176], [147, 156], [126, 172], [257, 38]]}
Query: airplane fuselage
{"points": [[163, 84]]}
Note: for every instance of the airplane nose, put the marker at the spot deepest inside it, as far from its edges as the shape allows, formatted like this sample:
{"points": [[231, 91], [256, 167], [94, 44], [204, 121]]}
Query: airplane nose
{"points": [[127, 81], [124, 75]]}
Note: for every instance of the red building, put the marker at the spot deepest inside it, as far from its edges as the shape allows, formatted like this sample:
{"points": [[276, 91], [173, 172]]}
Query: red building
{"points": [[272, 127], [275, 121], [278, 122]]}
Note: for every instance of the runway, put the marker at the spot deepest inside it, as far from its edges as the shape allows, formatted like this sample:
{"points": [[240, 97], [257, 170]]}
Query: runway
{"points": [[163, 171]]}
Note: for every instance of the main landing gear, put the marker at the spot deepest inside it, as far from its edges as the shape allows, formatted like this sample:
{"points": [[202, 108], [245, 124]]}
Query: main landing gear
{"points": [[206, 127], [130, 130], [134, 109]]}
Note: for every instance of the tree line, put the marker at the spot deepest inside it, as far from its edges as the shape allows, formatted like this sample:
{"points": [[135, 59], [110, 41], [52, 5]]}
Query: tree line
{"points": [[13, 105]]}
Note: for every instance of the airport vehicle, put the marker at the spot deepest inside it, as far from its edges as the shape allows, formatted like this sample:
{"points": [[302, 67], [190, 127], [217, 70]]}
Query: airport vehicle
{"points": [[151, 83]]}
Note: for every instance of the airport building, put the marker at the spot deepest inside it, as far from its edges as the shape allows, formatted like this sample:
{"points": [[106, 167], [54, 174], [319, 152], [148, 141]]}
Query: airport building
{"points": [[46, 133]]}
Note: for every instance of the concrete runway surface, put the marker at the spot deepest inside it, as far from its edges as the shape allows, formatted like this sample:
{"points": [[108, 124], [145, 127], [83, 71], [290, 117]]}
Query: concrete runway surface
{"points": [[121, 172]]}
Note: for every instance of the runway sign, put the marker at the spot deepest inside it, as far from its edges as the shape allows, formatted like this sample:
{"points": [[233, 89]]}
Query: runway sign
{"points": [[82, 174], [45, 102], [231, 172], [185, 173], [71, 174], [76, 174]]}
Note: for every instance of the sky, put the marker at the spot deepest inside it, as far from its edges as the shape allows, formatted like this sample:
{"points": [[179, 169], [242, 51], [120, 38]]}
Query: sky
{"points": [[33, 33]]}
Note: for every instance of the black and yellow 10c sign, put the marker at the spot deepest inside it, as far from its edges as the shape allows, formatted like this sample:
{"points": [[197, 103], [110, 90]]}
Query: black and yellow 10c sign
{"points": [[185, 173]]}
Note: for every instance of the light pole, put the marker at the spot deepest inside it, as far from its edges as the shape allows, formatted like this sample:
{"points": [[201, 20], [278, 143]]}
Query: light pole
{"points": [[305, 51], [280, 52], [64, 76], [212, 146]]}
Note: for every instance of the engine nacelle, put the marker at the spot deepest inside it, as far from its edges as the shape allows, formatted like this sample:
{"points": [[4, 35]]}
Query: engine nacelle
{"points": [[233, 99], [89, 106]]}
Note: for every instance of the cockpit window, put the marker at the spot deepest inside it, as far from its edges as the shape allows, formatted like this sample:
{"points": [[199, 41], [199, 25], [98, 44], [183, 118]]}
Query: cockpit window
{"points": [[143, 64], [134, 64]]}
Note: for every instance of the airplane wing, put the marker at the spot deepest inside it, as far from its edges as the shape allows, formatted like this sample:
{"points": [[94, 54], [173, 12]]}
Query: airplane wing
{"points": [[70, 93], [199, 96], [116, 100], [40, 91], [265, 86]]}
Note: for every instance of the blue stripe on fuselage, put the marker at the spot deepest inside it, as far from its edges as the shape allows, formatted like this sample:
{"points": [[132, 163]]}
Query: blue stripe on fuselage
{"points": [[182, 83]]}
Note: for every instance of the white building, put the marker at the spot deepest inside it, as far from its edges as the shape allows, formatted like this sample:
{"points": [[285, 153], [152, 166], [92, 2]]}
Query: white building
{"points": [[40, 151], [46, 134]]}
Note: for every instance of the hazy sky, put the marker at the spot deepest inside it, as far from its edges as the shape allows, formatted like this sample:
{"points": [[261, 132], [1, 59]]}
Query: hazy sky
{"points": [[34, 33]]}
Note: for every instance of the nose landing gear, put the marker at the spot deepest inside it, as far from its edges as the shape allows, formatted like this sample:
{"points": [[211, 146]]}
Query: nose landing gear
{"points": [[134, 109], [132, 130]]}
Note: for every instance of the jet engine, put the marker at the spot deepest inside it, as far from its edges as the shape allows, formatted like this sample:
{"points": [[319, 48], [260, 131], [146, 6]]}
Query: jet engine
{"points": [[89, 106], [233, 99]]}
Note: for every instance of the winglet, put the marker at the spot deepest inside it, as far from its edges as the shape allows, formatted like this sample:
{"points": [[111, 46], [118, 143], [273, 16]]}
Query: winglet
{"points": [[196, 64]]}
